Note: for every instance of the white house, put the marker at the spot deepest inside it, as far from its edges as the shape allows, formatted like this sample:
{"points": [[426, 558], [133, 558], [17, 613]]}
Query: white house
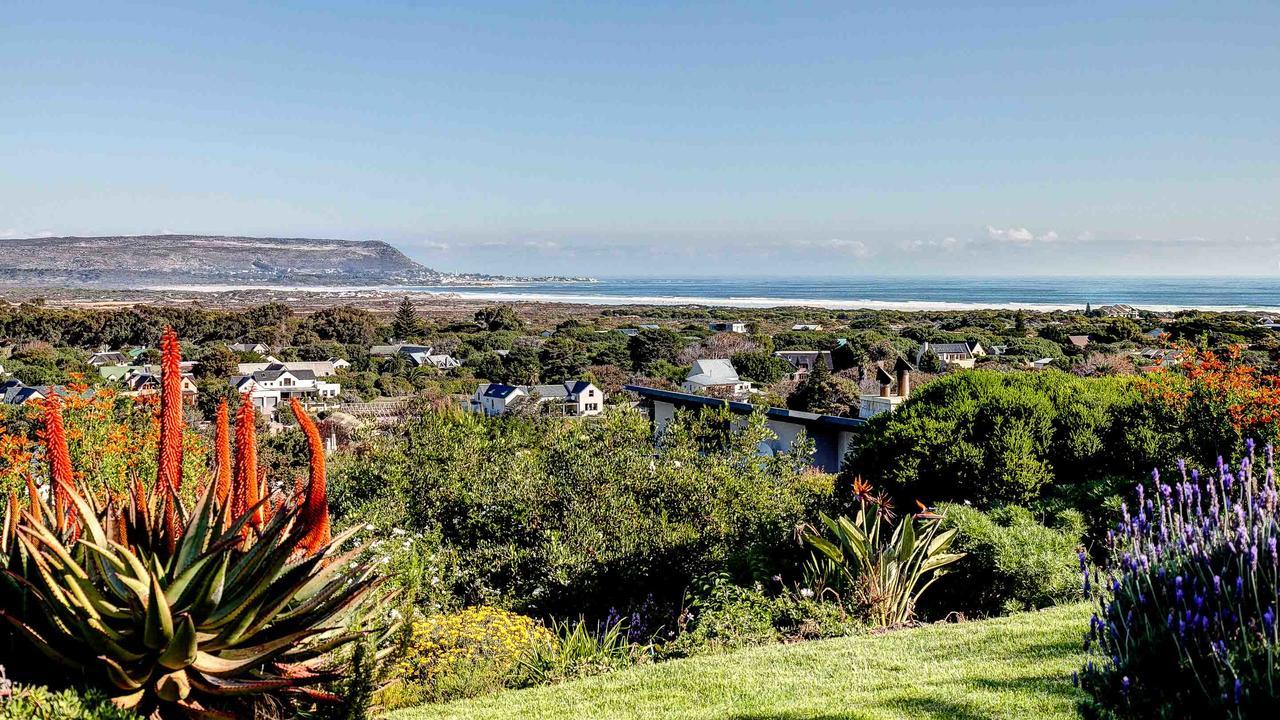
{"points": [[142, 384], [1124, 311], [319, 368], [258, 348], [959, 354], [576, 398], [811, 327], [733, 327], [1041, 364], [717, 376], [277, 384]]}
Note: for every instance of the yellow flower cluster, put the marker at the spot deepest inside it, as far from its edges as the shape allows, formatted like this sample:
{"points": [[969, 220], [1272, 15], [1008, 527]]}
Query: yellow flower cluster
{"points": [[444, 645]]}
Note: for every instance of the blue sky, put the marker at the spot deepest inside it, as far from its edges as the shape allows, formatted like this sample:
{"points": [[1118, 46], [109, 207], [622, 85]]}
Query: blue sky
{"points": [[661, 138]]}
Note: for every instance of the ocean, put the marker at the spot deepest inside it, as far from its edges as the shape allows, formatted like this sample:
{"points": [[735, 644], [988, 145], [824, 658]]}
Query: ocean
{"points": [[906, 293]]}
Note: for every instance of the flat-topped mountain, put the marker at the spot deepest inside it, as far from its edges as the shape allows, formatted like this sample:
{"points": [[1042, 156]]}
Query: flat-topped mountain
{"points": [[158, 260]]}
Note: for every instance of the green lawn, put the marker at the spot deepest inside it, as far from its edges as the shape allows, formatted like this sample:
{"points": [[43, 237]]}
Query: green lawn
{"points": [[1014, 667]]}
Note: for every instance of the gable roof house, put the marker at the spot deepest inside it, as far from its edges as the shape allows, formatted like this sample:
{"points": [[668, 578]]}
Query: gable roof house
{"points": [[108, 357], [961, 354], [1125, 311], [417, 355], [15, 392], [258, 348], [1080, 341], [318, 368], [277, 384], [804, 361], [142, 384], [575, 398], [717, 376]]}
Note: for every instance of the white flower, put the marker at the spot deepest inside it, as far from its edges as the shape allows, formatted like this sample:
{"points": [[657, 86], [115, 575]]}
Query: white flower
{"points": [[398, 531], [806, 592]]}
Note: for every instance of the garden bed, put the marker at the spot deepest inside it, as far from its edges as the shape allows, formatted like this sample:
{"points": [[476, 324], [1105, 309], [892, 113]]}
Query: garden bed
{"points": [[1012, 667]]}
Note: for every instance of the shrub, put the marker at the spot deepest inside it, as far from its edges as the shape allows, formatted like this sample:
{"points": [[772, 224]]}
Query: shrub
{"points": [[1186, 620], [882, 572], [1013, 562], [559, 517], [723, 616], [573, 650], [33, 702], [463, 654]]}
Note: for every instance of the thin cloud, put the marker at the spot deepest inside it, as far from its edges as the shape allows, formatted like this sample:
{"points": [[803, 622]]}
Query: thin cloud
{"points": [[1019, 235]]}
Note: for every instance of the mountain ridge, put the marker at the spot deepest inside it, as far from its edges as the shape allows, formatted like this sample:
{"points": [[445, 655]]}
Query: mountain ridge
{"points": [[182, 259]]}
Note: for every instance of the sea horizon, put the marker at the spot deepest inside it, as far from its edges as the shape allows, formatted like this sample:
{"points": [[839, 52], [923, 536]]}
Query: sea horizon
{"points": [[1044, 293]]}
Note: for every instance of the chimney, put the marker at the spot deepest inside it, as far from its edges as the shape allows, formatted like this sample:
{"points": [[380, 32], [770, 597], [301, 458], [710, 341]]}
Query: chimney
{"points": [[904, 379], [885, 380]]}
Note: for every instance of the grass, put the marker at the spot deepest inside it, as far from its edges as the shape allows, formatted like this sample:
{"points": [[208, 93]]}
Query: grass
{"points": [[1013, 667]]}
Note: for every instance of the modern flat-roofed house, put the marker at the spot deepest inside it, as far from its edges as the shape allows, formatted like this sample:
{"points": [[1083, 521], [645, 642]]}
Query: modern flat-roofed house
{"points": [[805, 361], [831, 435], [576, 398], [108, 357], [258, 348], [961, 354], [733, 327], [277, 384], [715, 376]]}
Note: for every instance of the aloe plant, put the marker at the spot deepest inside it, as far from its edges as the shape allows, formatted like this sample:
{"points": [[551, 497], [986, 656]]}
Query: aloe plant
{"points": [[886, 571], [173, 611]]}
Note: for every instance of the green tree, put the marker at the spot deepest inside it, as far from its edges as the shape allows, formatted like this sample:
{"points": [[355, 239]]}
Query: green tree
{"points": [[407, 326], [498, 317], [761, 366], [654, 344], [217, 361]]}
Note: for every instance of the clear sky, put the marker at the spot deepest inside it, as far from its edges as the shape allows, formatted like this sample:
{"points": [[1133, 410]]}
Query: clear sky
{"points": [[647, 138]]}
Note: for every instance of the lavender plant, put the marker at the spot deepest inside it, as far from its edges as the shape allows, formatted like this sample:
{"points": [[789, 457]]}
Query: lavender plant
{"points": [[1187, 599]]}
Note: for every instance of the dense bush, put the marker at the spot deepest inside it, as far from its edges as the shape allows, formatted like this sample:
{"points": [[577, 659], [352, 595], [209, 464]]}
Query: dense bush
{"points": [[996, 438], [1014, 563], [32, 702], [1186, 619], [561, 516]]}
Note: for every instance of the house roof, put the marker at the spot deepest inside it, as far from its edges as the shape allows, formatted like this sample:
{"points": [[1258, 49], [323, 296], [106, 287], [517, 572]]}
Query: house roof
{"points": [[742, 408], [498, 390], [959, 348], [1078, 340], [712, 372]]}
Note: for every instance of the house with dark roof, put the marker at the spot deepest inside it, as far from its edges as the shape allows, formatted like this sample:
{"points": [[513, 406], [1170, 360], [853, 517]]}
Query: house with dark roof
{"points": [[417, 355], [831, 435], [142, 384], [959, 354], [575, 398], [804, 361], [15, 392]]}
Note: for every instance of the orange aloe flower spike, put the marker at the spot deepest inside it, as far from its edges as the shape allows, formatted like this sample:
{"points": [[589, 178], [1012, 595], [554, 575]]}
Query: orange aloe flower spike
{"points": [[246, 476], [222, 441], [315, 508], [169, 473], [36, 513], [61, 475]]}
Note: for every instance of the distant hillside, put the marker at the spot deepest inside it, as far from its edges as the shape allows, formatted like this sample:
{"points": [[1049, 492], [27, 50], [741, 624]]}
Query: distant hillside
{"points": [[157, 260]]}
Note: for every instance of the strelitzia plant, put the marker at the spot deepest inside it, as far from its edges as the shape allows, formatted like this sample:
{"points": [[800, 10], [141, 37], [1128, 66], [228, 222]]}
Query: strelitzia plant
{"points": [[884, 572], [174, 611]]}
